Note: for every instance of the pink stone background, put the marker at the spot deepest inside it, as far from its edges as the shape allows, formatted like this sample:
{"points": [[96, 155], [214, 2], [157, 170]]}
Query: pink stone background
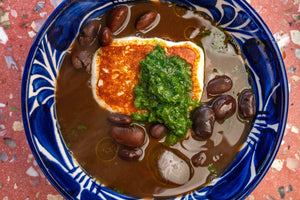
{"points": [[21, 178]]}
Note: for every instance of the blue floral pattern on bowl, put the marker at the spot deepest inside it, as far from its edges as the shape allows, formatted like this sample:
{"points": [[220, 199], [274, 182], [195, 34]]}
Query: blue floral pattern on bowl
{"points": [[234, 16]]}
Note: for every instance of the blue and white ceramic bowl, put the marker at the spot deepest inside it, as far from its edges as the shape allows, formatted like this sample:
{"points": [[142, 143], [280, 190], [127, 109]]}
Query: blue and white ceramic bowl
{"points": [[236, 17]]}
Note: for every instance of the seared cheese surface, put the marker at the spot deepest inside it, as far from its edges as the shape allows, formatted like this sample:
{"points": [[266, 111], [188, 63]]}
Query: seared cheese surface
{"points": [[116, 68]]}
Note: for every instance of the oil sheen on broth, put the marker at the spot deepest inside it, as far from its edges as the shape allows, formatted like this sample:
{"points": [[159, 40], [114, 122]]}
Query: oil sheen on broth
{"points": [[85, 128]]}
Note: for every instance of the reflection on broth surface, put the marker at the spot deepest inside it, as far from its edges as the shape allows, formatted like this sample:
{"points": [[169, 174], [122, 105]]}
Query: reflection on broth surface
{"points": [[153, 169]]}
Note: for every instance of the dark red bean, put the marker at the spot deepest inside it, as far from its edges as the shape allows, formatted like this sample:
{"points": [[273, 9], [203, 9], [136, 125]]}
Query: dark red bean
{"points": [[105, 36], [246, 104], [119, 118], [198, 159], [203, 121], [219, 85], [117, 17], [158, 130], [146, 20], [130, 154], [224, 107], [82, 59], [88, 33], [128, 136]]}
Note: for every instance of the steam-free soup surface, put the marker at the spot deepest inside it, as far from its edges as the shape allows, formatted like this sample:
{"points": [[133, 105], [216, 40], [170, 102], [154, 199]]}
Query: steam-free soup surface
{"points": [[84, 124]]}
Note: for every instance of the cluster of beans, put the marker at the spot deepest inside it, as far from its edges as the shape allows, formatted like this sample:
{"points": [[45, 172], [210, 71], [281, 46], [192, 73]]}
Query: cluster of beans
{"points": [[223, 107], [82, 57], [131, 137], [90, 33]]}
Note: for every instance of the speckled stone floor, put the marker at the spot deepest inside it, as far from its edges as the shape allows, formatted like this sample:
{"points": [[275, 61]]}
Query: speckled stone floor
{"points": [[20, 176]]}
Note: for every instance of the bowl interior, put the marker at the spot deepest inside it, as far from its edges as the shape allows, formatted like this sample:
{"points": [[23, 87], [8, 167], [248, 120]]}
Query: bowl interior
{"points": [[236, 17]]}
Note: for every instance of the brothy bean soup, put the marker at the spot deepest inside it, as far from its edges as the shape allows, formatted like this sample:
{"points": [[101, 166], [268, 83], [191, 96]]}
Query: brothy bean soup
{"points": [[154, 100]]}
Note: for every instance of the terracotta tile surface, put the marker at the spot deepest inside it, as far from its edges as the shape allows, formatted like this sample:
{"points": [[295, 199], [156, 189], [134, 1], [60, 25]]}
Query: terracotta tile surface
{"points": [[21, 178]]}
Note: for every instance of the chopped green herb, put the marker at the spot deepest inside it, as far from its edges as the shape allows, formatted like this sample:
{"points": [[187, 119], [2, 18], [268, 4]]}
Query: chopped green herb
{"points": [[221, 28], [173, 4], [164, 90], [74, 132], [81, 127], [212, 169], [118, 190], [140, 116], [83, 164], [204, 32], [200, 45], [180, 10], [68, 144], [78, 129]]}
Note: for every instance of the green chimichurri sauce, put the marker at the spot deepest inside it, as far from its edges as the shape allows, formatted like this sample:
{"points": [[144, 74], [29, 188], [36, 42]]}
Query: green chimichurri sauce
{"points": [[164, 91]]}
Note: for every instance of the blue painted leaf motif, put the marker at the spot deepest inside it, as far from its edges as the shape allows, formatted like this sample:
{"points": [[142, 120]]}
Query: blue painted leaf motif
{"points": [[43, 74], [268, 136], [86, 195], [243, 22], [229, 16], [41, 94], [260, 55], [204, 3], [41, 83], [60, 175], [240, 175]]}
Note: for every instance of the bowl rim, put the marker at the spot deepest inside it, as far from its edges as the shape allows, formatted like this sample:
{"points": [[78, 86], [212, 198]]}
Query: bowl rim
{"points": [[62, 7], [256, 17]]}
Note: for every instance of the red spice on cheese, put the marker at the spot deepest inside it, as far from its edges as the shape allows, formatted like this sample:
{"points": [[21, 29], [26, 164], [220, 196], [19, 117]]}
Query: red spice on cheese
{"points": [[119, 70]]}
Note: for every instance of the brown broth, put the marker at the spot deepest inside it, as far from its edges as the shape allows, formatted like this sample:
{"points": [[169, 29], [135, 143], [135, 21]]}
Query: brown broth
{"points": [[83, 123]]}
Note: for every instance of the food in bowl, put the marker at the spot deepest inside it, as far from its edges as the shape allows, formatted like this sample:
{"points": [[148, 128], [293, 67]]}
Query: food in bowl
{"points": [[175, 127]]}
